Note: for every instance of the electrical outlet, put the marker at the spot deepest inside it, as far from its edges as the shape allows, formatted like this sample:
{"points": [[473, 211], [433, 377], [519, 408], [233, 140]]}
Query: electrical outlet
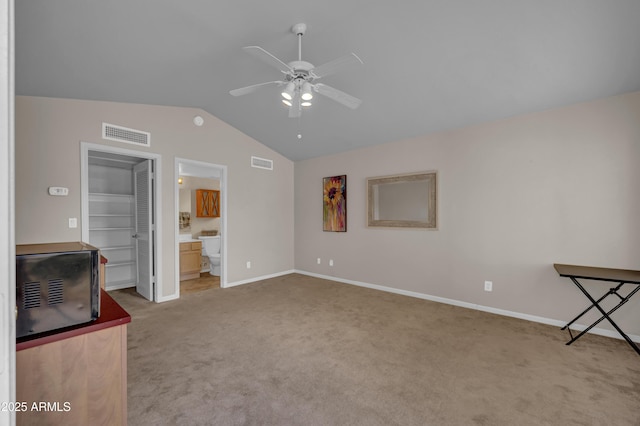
{"points": [[73, 222], [488, 286], [319, 261], [330, 262], [248, 264]]}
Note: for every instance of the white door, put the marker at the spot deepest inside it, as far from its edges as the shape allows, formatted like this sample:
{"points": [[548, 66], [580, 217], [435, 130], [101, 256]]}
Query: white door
{"points": [[144, 227]]}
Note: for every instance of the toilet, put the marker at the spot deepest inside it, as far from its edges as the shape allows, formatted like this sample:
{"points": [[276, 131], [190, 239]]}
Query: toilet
{"points": [[211, 249]]}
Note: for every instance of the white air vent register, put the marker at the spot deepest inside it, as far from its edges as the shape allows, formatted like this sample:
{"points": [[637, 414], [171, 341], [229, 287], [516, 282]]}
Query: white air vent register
{"points": [[123, 134], [261, 163]]}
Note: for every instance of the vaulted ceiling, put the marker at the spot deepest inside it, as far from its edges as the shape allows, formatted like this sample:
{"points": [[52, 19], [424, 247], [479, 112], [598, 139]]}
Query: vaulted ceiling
{"points": [[428, 66]]}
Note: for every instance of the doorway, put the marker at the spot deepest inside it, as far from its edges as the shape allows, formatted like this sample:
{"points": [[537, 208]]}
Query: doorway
{"points": [[216, 176], [119, 204]]}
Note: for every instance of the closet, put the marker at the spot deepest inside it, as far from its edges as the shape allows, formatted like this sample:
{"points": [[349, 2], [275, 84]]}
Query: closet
{"points": [[112, 216]]}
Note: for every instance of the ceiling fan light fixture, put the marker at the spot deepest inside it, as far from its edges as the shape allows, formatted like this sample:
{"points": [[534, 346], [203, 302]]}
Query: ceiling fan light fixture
{"points": [[300, 77], [288, 91], [306, 92]]}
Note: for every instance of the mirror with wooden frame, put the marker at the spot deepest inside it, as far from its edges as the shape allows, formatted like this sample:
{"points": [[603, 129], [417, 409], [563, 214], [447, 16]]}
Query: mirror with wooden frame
{"points": [[403, 201]]}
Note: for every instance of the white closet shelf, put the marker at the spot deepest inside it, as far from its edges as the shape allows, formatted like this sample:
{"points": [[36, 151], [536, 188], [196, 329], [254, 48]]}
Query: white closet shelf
{"points": [[112, 222], [112, 228], [129, 247], [103, 194], [116, 285]]}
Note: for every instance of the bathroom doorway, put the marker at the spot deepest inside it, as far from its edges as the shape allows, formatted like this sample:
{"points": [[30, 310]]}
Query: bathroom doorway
{"points": [[119, 193], [192, 178]]}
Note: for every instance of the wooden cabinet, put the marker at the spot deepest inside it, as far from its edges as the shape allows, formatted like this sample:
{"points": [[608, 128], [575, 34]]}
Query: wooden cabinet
{"points": [[190, 257], [103, 262], [81, 372], [207, 203]]}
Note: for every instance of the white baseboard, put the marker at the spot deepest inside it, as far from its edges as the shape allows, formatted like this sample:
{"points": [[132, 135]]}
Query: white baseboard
{"points": [[263, 277], [161, 299], [118, 286], [558, 323], [232, 284]]}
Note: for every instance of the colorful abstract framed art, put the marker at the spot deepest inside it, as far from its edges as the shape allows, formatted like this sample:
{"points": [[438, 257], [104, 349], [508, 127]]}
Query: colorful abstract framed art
{"points": [[334, 206]]}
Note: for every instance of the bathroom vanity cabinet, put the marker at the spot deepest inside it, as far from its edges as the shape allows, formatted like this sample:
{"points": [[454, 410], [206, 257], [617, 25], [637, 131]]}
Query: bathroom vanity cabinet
{"points": [[190, 258], [207, 203]]}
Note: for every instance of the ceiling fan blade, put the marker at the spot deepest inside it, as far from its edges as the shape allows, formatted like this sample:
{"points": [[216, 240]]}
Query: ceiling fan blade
{"points": [[267, 57], [332, 66], [337, 95], [295, 110], [250, 89]]}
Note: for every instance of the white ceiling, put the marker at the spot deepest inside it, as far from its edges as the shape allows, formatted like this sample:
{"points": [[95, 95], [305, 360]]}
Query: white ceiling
{"points": [[429, 65]]}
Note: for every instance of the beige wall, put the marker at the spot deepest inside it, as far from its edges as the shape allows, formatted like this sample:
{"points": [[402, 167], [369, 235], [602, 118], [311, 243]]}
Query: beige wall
{"points": [[515, 196], [48, 136]]}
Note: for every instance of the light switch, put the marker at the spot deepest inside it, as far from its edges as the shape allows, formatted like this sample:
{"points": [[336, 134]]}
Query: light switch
{"points": [[73, 222]]}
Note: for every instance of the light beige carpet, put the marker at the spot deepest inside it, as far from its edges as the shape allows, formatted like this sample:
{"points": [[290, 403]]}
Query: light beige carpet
{"points": [[297, 350]]}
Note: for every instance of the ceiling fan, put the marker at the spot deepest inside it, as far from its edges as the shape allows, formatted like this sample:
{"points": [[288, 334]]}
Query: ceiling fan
{"points": [[300, 78]]}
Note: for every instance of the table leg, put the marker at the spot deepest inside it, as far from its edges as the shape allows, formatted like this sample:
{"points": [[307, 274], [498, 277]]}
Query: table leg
{"points": [[606, 315], [611, 291]]}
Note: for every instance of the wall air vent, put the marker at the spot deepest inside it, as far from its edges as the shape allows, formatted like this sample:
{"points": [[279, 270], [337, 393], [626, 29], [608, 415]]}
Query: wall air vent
{"points": [[261, 163], [123, 134]]}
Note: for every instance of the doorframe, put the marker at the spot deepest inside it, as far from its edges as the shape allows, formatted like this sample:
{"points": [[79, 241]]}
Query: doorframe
{"points": [[7, 213], [223, 216], [85, 147]]}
